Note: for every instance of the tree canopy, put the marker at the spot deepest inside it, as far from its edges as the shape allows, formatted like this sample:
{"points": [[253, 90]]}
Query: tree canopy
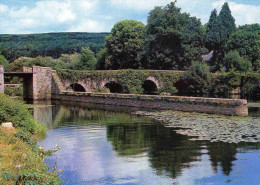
{"points": [[87, 59], [174, 39], [124, 44], [219, 29], [246, 40]]}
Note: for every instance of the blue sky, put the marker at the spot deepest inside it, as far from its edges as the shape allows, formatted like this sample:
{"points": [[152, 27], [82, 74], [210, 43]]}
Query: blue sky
{"points": [[41, 16]]}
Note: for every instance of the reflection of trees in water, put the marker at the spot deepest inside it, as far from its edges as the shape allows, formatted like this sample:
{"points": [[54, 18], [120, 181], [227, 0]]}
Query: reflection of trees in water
{"points": [[129, 139], [168, 152], [222, 154], [84, 115]]}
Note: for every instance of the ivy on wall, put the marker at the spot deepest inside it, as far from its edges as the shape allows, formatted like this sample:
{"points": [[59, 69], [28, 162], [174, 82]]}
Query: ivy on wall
{"points": [[132, 81]]}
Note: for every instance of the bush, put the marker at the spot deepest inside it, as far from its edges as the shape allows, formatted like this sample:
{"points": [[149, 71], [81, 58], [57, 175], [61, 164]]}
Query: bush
{"points": [[14, 91], [225, 83], [251, 86], [195, 81], [234, 61], [17, 112]]}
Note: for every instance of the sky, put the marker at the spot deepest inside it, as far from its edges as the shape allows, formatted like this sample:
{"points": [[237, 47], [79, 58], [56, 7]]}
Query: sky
{"points": [[44, 16]]}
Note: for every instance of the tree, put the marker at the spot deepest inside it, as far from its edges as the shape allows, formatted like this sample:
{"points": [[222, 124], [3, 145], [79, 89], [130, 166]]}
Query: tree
{"points": [[233, 60], [87, 59], [210, 39], [124, 44], [218, 31], [228, 22], [246, 40], [174, 39], [102, 59], [67, 61]]}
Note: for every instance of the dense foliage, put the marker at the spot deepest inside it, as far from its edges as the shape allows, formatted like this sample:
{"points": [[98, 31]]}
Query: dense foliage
{"points": [[76, 61], [22, 162], [246, 40], [49, 44], [124, 44], [233, 61], [17, 112], [3, 61], [87, 59], [131, 80], [219, 29], [195, 81], [174, 39]]}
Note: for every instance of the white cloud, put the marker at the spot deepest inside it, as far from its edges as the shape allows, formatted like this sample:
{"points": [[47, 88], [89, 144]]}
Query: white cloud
{"points": [[244, 14], [47, 15], [87, 26], [3, 8], [139, 4]]}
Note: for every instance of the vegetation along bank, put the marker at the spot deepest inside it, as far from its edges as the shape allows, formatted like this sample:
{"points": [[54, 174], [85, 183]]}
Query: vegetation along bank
{"points": [[21, 161]]}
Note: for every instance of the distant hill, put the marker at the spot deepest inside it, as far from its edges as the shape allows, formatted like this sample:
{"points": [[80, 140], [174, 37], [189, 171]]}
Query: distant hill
{"points": [[49, 44]]}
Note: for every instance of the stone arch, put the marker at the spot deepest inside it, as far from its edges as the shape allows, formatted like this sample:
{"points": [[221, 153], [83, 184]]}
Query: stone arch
{"points": [[150, 87], [155, 80], [114, 87], [77, 87]]}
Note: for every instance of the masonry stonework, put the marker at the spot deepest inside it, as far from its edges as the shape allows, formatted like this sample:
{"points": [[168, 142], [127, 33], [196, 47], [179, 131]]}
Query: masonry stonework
{"points": [[233, 107], [2, 79], [42, 82]]}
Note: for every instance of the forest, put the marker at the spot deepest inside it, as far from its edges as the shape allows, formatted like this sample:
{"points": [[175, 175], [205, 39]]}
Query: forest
{"points": [[49, 44]]}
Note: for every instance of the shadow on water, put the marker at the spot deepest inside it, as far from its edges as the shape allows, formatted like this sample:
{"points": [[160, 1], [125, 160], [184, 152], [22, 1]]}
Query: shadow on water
{"points": [[135, 138]]}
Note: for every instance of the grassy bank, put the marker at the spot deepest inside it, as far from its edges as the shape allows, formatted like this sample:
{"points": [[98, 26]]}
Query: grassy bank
{"points": [[21, 161]]}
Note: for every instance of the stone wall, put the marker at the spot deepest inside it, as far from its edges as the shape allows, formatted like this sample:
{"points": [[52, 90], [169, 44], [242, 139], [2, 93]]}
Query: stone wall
{"points": [[42, 82], [233, 107], [2, 79]]}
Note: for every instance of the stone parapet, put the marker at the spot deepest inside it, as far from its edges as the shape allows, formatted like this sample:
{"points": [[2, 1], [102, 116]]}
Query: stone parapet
{"points": [[235, 107], [2, 79]]}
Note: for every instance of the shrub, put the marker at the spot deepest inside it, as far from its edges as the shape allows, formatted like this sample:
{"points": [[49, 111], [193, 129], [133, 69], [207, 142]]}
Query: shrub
{"points": [[225, 83], [195, 81], [14, 91], [251, 86], [17, 112]]}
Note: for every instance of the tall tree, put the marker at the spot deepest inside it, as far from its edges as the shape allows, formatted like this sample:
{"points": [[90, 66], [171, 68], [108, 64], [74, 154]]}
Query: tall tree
{"points": [[219, 30], [227, 20], [210, 39], [174, 39], [124, 44]]}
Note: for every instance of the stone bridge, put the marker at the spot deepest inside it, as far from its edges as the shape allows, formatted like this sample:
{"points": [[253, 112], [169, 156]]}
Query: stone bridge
{"points": [[40, 83], [151, 85]]}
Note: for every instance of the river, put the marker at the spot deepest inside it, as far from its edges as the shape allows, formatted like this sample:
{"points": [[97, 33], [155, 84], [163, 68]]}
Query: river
{"points": [[108, 145]]}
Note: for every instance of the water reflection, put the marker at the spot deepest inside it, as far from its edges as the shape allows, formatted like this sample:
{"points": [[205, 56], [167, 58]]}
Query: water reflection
{"points": [[110, 147]]}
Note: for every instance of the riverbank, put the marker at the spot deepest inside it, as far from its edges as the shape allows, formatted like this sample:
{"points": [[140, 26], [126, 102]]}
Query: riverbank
{"points": [[21, 161], [213, 128]]}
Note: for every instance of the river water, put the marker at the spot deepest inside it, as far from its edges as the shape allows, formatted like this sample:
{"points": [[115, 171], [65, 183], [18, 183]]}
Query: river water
{"points": [[108, 145]]}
